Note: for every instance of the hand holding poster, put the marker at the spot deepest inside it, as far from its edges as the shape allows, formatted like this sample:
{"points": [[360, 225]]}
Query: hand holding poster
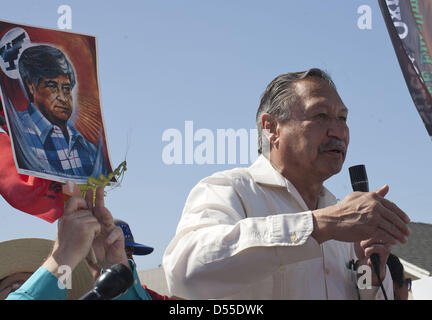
{"points": [[50, 94]]}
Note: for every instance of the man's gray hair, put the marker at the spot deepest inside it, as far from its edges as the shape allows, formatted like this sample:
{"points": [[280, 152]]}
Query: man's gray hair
{"points": [[43, 61], [280, 95]]}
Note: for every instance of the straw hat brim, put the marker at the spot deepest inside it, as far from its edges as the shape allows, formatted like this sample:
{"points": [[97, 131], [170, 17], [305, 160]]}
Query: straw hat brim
{"points": [[27, 255]]}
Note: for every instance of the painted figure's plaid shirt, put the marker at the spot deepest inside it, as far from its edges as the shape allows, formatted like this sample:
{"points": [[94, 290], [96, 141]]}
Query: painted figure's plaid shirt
{"points": [[48, 142]]}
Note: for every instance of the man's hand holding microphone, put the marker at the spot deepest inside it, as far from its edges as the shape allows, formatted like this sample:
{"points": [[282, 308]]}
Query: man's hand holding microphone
{"points": [[365, 218]]}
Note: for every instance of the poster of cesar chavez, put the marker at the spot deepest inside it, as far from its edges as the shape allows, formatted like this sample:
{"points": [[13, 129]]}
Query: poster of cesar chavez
{"points": [[50, 93]]}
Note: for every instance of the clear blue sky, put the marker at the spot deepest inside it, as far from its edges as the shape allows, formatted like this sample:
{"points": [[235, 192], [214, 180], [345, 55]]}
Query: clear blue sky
{"points": [[162, 63]]}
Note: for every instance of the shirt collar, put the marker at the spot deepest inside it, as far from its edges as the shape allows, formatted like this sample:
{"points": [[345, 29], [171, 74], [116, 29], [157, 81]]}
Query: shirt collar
{"points": [[74, 136], [263, 172], [42, 124]]}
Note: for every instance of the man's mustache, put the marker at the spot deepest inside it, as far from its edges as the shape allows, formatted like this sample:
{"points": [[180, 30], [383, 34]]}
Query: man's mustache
{"points": [[332, 144]]}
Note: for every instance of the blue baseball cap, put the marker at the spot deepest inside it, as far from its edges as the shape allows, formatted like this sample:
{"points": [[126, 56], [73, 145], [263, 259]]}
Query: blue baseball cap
{"points": [[138, 249]]}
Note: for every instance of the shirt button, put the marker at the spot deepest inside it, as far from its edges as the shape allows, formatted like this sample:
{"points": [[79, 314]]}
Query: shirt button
{"points": [[293, 238], [327, 271]]}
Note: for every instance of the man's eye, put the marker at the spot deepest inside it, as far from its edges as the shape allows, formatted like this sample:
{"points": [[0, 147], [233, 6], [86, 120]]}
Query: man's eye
{"points": [[321, 116], [343, 119]]}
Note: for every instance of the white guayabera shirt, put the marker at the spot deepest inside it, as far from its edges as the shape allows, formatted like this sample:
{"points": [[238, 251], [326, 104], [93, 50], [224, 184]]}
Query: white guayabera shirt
{"points": [[246, 234]]}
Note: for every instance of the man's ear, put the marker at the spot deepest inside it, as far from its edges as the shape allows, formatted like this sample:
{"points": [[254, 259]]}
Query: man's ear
{"points": [[270, 130], [30, 86]]}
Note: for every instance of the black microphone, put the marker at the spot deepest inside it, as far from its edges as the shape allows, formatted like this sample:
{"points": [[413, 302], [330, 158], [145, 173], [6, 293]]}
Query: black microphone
{"points": [[359, 182], [112, 283], [359, 179]]}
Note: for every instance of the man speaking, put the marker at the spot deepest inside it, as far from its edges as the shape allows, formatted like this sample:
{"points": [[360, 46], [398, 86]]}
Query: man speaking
{"points": [[273, 231], [45, 140]]}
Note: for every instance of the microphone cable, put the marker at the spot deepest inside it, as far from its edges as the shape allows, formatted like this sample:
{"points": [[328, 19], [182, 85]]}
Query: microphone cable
{"points": [[359, 182]]}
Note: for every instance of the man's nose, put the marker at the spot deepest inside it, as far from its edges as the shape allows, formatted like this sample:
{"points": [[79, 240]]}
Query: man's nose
{"points": [[61, 96], [338, 129]]}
